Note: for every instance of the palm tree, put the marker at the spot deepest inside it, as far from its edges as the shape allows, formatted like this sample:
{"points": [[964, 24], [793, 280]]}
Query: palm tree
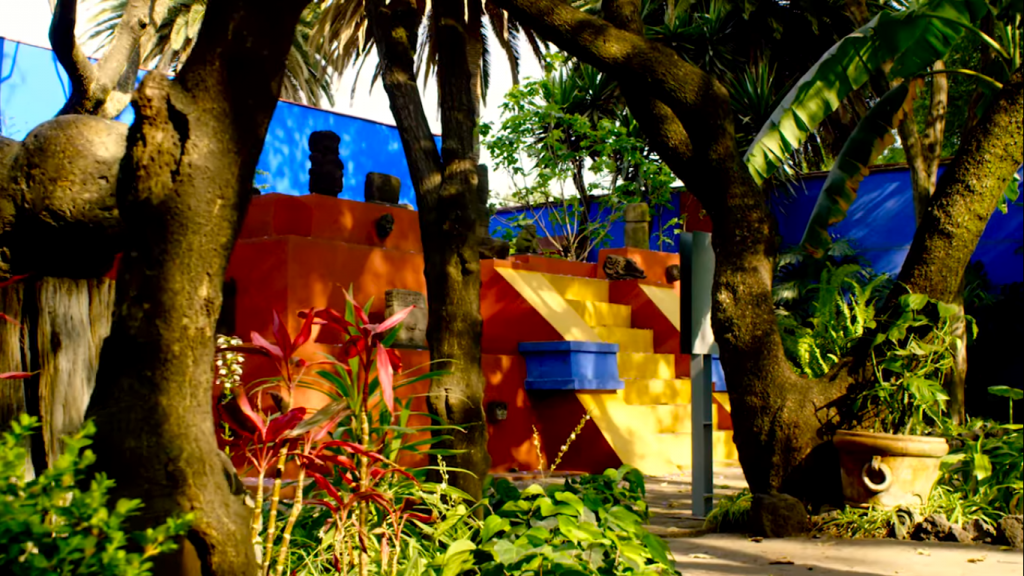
{"points": [[178, 22], [342, 40]]}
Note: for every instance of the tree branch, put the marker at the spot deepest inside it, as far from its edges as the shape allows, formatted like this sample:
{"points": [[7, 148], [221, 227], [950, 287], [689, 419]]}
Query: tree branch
{"points": [[92, 85], [394, 29], [62, 39], [115, 63], [632, 59], [967, 195]]}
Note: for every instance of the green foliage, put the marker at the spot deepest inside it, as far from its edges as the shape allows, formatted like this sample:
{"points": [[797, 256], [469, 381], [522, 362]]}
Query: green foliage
{"points": [[912, 354], [910, 40], [983, 475], [731, 513], [616, 487], [555, 530], [50, 525], [873, 134], [566, 144], [867, 522], [824, 306]]}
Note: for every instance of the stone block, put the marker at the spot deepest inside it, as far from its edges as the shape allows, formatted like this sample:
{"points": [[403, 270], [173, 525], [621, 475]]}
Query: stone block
{"points": [[413, 331], [383, 188]]}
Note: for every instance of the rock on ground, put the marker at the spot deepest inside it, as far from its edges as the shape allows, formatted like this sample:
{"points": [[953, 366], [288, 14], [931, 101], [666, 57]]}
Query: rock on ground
{"points": [[778, 516], [1009, 531]]}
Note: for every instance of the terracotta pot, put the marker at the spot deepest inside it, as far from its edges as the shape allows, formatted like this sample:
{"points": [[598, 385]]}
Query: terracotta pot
{"points": [[888, 470]]}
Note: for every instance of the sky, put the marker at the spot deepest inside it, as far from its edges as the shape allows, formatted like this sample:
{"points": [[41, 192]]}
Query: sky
{"points": [[28, 21]]}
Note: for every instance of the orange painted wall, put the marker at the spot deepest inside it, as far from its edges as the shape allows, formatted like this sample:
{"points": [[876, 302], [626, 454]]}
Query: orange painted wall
{"points": [[300, 252]]}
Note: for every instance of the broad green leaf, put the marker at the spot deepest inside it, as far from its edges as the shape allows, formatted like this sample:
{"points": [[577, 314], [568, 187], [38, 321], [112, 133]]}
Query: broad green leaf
{"points": [[872, 135], [947, 310], [1006, 392], [492, 525], [533, 490], [549, 508], [913, 301], [570, 499], [658, 550], [458, 557], [571, 529], [1011, 194], [508, 553], [911, 40], [982, 466]]}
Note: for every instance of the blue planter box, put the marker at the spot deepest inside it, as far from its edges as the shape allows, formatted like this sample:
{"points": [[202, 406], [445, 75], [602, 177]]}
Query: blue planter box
{"points": [[571, 365]]}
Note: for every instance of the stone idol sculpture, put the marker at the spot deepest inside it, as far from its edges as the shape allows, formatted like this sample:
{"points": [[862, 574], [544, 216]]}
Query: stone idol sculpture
{"points": [[326, 170], [621, 268], [413, 330]]}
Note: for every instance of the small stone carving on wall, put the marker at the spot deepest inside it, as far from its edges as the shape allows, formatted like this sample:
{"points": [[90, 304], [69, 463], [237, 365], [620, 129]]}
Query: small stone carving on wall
{"points": [[326, 170], [526, 240], [672, 273], [621, 268], [413, 331], [384, 225]]}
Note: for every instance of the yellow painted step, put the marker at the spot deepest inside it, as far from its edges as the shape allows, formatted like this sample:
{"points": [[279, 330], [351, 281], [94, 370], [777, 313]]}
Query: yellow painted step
{"points": [[640, 391], [576, 288], [674, 418], [634, 365], [602, 313], [680, 446], [628, 339], [635, 433]]}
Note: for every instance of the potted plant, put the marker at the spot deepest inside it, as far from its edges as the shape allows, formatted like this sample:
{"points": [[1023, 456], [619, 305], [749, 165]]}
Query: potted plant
{"points": [[895, 460]]}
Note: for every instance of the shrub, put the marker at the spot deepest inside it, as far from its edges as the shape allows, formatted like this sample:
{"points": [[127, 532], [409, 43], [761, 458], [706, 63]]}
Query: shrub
{"points": [[731, 514], [51, 525], [553, 530]]}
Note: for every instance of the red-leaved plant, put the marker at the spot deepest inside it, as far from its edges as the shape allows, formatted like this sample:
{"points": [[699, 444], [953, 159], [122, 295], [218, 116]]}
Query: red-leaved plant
{"points": [[371, 497]]}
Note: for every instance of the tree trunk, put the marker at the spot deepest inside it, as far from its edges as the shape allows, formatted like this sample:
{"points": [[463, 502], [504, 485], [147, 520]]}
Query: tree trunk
{"points": [[72, 320], [12, 359], [186, 179], [449, 213], [967, 195]]}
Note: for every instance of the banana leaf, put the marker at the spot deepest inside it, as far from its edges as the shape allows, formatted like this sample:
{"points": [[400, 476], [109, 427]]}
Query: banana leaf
{"points": [[873, 134], [905, 42]]}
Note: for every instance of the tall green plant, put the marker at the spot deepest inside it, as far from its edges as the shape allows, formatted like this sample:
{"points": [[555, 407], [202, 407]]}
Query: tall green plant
{"points": [[903, 43]]}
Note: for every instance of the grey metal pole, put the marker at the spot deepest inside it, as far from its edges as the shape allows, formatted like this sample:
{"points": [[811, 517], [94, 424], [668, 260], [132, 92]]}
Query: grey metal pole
{"points": [[697, 266]]}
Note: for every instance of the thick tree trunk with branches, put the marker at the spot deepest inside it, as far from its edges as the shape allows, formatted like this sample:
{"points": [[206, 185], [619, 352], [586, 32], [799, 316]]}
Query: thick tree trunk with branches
{"points": [[182, 192], [450, 211], [782, 420], [182, 182]]}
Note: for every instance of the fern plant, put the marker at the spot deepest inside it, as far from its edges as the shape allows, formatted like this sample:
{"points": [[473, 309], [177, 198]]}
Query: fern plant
{"points": [[821, 315]]}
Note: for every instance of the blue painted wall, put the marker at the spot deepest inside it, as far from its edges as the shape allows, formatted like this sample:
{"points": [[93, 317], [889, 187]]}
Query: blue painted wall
{"points": [[33, 87], [880, 224]]}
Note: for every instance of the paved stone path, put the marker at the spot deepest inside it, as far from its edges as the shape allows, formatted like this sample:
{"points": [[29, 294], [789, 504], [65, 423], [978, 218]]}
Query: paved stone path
{"points": [[700, 554], [734, 555]]}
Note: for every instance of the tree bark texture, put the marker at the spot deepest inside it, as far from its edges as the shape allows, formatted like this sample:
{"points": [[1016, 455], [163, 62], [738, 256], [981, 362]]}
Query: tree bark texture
{"points": [[72, 320], [99, 89], [449, 211], [12, 358], [966, 197], [781, 419], [182, 190]]}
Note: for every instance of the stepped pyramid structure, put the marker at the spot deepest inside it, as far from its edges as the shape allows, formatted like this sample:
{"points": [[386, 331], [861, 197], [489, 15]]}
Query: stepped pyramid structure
{"points": [[301, 252]]}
